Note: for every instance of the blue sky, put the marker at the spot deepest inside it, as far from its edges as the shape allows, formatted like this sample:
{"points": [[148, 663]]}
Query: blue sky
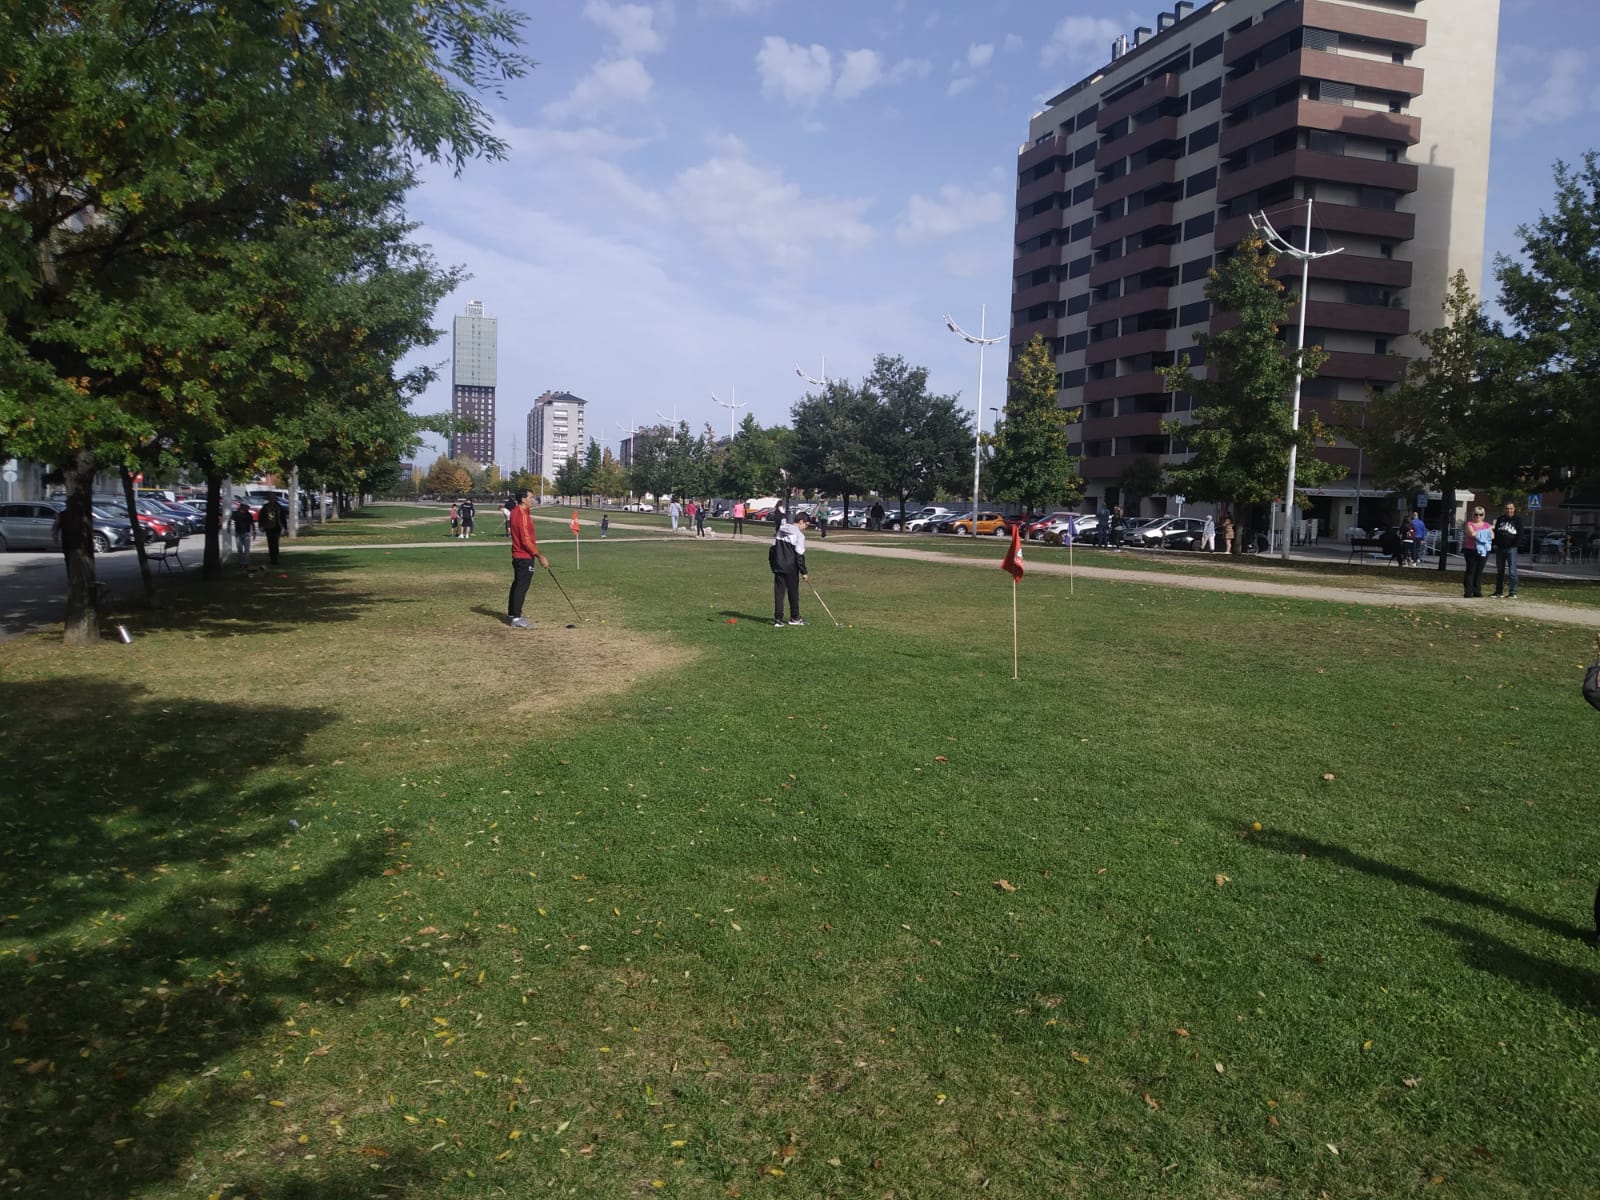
{"points": [[702, 194]]}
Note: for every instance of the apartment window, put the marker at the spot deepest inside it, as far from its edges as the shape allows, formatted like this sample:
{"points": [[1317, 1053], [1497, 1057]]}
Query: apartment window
{"points": [[1074, 342], [1077, 304], [1198, 268], [1195, 314], [1081, 230], [1199, 226], [1202, 181], [1084, 155], [1078, 267], [1086, 117], [1380, 345], [1201, 138], [1207, 50], [1084, 191], [1325, 142], [1073, 378], [1206, 93]]}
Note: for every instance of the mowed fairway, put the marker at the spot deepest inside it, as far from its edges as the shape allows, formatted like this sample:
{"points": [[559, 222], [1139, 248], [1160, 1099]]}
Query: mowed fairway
{"points": [[332, 886]]}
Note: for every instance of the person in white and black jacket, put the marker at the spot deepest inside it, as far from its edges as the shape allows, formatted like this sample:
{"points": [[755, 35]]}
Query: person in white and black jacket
{"points": [[1506, 533], [787, 558]]}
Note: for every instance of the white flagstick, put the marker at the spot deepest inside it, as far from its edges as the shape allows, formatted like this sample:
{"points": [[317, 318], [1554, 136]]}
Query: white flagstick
{"points": [[1072, 572], [1013, 629]]}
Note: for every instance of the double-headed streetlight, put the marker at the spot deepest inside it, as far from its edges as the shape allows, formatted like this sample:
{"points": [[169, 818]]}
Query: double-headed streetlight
{"points": [[821, 383], [732, 406], [981, 342], [1262, 225]]}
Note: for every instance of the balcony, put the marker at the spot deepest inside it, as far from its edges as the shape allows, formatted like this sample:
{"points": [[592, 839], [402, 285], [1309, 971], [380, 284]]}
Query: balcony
{"points": [[1141, 383], [1358, 318], [1031, 227], [1379, 368], [1035, 190], [1040, 293], [1165, 88], [1319, 64], [1130, 264], [1335, 218], [1127, 345], [1022, 334], [1156, 173], [1134, 222], [1383, 27], [1031, 156], [1149, 300], [1163, 129], [1033, 260], [1314, 164], [1400, 128]]}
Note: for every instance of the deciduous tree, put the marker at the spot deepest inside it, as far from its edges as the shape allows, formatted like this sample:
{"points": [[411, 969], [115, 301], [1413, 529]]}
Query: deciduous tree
{"points": [[1030, 464]]}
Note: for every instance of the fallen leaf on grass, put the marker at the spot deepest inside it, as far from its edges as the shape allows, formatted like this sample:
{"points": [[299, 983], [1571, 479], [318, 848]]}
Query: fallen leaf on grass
{"points": [[1411, 1083], [1005, 886], [1152, 1101], [1222, 879], [1332, 1149], [1328, 776], [940, 758], [1220, 1068], [1181, 1031], [1082, 1058]]}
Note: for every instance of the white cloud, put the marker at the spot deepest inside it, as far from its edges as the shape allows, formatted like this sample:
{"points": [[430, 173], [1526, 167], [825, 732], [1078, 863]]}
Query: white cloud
{"points": [[799, 74], [1083, 39], [632, 25], [749, 211], [960, 84], [609, 84], [804, 75], [858, 71], [1541, 87], [1012, 44], [741, 7], [955, 210], [978, 56]]}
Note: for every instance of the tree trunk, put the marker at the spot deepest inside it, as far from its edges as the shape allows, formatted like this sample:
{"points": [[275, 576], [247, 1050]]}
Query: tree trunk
{"points": [[294, 501], [82, 621], [214, 518], [131, 498], [1446, 520]]}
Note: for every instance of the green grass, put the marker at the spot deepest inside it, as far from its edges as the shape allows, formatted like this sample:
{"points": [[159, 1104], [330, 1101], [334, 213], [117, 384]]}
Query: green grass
{"points": [[333, 886]]}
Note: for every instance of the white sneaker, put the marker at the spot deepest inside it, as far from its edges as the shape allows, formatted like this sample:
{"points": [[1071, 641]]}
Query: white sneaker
{"points": [[519, 623]]}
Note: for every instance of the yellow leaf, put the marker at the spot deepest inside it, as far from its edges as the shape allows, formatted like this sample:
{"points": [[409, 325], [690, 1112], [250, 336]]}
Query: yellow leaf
{"points": [[1367, 1045], [940, 1098], [1221, 879], [275, 1103], [1005, 885], [410, 1120], [514, 1135], [1076, 1057], [440, 1021], [778, 1171], [1152, 1101], [1220, 1068], [503, 1155], [1332, 1149], [658, 1183]]}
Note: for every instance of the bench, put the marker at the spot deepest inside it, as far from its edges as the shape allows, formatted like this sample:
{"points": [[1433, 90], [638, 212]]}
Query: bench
{"points": [[164, 552], [1357, 545]]}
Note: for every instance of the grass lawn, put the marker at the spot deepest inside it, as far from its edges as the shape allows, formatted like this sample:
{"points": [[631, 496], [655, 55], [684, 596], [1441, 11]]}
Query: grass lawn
{"points": [[330, 885]]}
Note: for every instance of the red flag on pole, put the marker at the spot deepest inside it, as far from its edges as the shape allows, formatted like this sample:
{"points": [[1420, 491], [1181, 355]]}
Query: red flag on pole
{"points": [[1013, 559], [573, 525]]}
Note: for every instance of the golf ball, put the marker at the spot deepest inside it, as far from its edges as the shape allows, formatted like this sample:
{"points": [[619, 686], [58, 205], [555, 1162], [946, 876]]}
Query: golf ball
{"points": [[1256, 825]]}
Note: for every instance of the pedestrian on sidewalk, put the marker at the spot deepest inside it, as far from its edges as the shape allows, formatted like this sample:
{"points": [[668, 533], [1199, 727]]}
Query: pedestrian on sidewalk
{"points": [[1507, 531], [605, 524], [1476, 541], [738, 518]]}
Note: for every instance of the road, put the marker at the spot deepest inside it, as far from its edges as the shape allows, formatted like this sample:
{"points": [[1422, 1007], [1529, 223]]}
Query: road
{"points": [[33, 584]]}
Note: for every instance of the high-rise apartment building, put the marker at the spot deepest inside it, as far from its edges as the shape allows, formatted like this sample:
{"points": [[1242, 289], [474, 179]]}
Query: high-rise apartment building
{"points": [[473, 375], [555, 432], [1138, 177]]}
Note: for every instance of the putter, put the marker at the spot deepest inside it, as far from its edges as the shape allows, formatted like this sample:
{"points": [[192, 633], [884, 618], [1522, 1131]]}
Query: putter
{"points": [[823, 602], [564, 595]]}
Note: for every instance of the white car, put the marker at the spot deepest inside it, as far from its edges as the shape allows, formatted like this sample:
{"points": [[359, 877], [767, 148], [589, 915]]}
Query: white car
{"points": [[928, 519], [639, 507]]}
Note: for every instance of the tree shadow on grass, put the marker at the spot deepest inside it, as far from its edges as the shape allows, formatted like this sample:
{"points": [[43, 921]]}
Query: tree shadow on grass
{"points": [[140, 947], [1573, 986], [272, 601], [1298, 844]]}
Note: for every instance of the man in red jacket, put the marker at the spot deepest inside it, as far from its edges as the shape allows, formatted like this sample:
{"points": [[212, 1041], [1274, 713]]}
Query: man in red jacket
{"points": [[524, 553]]}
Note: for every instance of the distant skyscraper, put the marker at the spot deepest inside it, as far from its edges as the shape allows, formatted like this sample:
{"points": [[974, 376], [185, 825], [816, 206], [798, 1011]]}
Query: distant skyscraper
{"points": [[473, 375], [555, 432]]}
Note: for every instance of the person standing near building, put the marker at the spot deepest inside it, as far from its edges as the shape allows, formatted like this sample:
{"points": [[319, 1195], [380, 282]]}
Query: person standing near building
{"points": [[524, 554], [1208, 534], [469, 513], [1476, 540], [1227, 535], [674, 511], [738, 518], [875, 515], [787, 558], [270, 521], [244, 529], [1507, 530]]}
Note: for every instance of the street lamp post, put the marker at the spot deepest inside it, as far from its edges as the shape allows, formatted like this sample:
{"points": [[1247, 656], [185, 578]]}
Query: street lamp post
{"points": [[982, 343], [821, 383], [1261, 223], [731, 406]]}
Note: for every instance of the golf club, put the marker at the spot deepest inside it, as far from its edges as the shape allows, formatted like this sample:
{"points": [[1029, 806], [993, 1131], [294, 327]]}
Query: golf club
{"points": [[564, 595], [823, 602]]}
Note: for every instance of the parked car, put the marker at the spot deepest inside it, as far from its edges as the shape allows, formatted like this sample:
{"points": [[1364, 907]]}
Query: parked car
{"points": [[1151, 533], [187, 519], [928, 518], [31, 524], [1183, 533], [1035, 530], [990, 524], [638, 506]]}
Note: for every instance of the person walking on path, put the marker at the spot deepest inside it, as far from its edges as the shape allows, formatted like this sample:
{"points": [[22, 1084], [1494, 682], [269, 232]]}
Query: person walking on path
{"points": [[524, 554], [1476, 539], [1208, 535], [1506, 532], [605, 524], [821, 519], [700, 519], [505, 517], [244, 528], [270, 521], [1227, 535], [455, 519], [674, 511], [1419, 539], [738, 518], [469, 513], [875, 515], [787, 558]]}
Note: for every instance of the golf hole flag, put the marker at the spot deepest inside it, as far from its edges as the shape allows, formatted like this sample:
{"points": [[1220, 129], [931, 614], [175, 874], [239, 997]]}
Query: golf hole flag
{"points": [[1013, 559], [573, 524]]}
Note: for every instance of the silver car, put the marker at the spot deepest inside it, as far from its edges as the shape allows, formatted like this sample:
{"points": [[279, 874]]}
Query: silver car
{"points": [[31, 525]]}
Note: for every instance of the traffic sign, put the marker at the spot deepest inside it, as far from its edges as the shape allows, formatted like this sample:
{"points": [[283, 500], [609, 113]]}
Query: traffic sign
{"points": [[1535, 500]]}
